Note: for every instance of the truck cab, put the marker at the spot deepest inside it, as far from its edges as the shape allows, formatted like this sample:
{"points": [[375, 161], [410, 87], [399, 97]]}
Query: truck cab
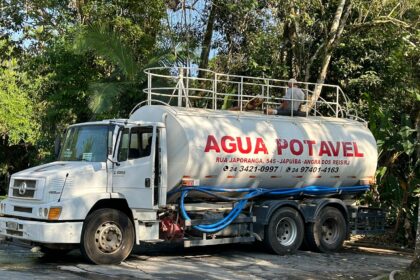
{"points": [[115, 164]]}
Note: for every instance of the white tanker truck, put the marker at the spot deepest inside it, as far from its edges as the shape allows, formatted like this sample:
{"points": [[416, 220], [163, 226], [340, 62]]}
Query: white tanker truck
{"points": [[200, 176]]}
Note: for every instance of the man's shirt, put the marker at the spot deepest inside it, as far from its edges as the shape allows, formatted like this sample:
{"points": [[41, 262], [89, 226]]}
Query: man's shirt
{"points": [[296, 94]]}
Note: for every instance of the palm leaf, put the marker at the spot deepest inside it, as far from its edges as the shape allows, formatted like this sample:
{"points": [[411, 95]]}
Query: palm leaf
{"points": [[106, 43], [104, 95]]}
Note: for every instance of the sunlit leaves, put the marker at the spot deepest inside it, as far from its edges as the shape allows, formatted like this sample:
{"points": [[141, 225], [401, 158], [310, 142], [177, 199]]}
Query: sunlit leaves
{"points": [[18, 121]]}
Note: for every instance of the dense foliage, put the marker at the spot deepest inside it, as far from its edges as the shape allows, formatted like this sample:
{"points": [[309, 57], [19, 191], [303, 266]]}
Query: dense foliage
{"points": [[71, 61]]}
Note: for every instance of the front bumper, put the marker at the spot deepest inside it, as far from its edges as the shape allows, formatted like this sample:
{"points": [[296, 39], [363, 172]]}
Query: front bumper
{"points": [[42, 232]]}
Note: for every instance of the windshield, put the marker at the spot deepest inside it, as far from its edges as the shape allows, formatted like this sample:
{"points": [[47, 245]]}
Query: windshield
{"points": [[87, 143]]}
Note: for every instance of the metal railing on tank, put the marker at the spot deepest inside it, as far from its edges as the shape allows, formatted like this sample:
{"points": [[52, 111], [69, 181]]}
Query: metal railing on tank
{"points": [[192, 87]]}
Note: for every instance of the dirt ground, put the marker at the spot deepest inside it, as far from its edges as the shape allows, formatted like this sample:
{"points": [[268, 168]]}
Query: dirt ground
{"points": [[242, 261]]}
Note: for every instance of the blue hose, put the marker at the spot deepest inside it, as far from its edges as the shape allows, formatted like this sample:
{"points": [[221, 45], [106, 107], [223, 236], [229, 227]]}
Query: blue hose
{"points": [[253, 193], [218, 225]]}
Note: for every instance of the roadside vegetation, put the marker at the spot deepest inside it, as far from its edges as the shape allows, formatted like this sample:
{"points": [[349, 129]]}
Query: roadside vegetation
{"points": [[72, 61]]}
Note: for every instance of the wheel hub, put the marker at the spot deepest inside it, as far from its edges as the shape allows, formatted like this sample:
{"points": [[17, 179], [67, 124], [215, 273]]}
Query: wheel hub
{"points": [[330, 231], [286, 231], [108, 237]]}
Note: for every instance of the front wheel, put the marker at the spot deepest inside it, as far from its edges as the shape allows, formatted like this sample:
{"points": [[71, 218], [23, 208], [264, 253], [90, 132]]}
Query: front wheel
{"points": [[328, 232], [284, 232], [107, 237]]}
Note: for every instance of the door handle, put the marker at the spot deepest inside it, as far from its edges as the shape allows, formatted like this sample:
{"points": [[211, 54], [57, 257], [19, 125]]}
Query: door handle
{"points": [[147, 182]]}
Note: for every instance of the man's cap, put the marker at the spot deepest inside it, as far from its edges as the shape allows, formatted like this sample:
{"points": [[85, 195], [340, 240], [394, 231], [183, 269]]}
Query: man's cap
{"points": [[292, 81]]}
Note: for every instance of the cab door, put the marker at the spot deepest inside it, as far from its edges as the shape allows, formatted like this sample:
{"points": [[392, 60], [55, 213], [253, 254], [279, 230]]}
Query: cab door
{"points": [[133, 173]]}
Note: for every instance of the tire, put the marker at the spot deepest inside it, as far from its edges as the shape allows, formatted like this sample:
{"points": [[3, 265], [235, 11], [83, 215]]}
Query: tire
{"points": [[328, 233], [284, 232], [107, 237]]}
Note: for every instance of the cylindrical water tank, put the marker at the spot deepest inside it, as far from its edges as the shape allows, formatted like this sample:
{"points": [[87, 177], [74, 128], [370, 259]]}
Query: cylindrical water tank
{"points": [[242, 149]]}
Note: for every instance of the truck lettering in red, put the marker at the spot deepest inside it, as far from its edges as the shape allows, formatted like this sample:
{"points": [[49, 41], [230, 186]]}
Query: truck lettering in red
{"points": [[326, 148], [246, 145], [231, 145]]}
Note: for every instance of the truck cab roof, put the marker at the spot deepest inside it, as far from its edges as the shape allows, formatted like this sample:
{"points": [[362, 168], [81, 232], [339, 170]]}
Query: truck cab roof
{"points": [[122, 122]]}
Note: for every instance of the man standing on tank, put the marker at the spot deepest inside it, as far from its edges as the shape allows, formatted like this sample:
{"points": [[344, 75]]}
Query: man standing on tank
{"points": [[293, 93]]}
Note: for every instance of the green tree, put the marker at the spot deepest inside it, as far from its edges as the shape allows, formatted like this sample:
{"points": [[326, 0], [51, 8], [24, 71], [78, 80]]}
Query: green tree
{"points": [[40, 35], [17, 97], [121, 40], [19, 121]]}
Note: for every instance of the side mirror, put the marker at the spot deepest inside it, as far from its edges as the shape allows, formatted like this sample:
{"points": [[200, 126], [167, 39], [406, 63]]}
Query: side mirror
{"points": [[57, 146]]}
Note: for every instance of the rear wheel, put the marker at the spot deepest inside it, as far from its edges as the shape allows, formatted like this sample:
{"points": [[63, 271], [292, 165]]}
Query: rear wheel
{"points": [[328, 232], [108, 237], [284, 232]]}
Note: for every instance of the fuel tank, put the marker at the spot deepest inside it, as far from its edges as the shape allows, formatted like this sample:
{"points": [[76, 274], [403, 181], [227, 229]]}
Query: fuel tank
{"points": [[242, 149]]}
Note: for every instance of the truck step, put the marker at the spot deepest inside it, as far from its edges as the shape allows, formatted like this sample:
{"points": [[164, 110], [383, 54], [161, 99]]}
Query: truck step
{"points": [[149, 222]]}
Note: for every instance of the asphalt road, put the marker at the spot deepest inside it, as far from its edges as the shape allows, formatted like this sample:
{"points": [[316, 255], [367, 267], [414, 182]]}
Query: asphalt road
{"points": [[220, 262]]}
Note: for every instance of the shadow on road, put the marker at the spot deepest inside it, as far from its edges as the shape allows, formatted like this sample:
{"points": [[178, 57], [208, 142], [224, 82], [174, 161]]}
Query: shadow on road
{"points": [[173, 261]]}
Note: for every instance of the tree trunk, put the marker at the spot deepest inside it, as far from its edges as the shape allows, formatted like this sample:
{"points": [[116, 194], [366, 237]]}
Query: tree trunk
{"points": [[416, 260], [206, 44], [205, 47], [404, 202], [311, 62], [293, 36], [336, 30], [288, 45], [79, 8], [415, 265]]}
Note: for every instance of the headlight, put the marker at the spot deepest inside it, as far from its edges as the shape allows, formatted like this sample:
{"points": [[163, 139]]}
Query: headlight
{"points": [[43, 212]]}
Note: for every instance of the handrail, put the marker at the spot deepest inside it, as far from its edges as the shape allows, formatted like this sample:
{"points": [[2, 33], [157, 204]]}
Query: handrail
{"points": [[203, 88]]}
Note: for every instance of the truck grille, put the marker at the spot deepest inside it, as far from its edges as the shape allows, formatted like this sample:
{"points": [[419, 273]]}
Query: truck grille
{"points": [[24, 188]]}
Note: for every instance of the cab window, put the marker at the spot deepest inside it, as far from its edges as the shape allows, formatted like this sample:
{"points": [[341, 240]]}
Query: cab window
{"points": [[135, 143]]}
